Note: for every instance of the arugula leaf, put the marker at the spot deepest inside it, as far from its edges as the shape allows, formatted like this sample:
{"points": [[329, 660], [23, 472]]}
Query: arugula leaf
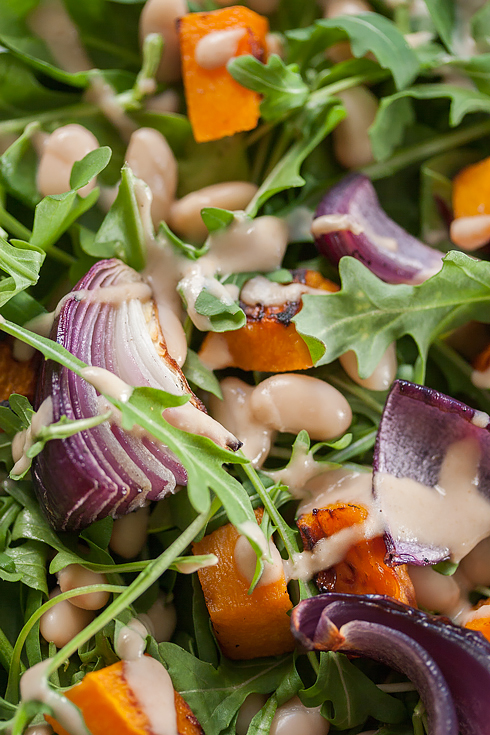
{"points": [[202, 458], [223, 317], [480, 27], [190, 251], [56, 213], [368, 314], [121, 234], [366, 32], [443, 14], [348, 696], [215, 695], [18, 167], [282, 87], [22, 261], [286, 174], [29, 560], [200, 376], [216, 219], [89, 167], [395, 113]]}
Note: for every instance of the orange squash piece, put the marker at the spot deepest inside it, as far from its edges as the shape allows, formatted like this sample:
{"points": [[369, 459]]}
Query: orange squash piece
{"points": [[481, 624], [246, 626], [269, 342], [216, 104], [363, 570], [471, 190], [482, 361], [110, 708], [15, 376]]}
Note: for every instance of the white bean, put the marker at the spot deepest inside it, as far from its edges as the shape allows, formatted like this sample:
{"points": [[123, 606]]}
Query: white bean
{"points": [[161, 619], [61, 149], [129, 533], [470, 233], [292, 402], [185, 214], [151, 159], [167, 101], [74, 576], [215, 49], [293, 718], [64, 621], [434, 591], [39, 730], [383, 374], [351, 141], [252, 704], [333, 8], [160, 16], [476, 565]]}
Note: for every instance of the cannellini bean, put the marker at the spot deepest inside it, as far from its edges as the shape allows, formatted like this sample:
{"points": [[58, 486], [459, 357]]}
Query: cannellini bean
{"points": [[470, 233], [247, 245], [383, 374], [74, 576], [160, 16], [434, 591], [161, 619], [476, 565], [185, 214], [215, 49], [129, 533], [61, 149], [39, 730], [167, 101], [292, 402], [235, 412], [351, 141], [64, 621], [151, 159], [333, 8], [293, 718], [252, 704]]}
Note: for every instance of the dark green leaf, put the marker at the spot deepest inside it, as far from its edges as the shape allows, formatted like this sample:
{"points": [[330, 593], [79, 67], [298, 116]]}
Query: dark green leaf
{"points": [[282, 87], [348, 696], [22, 308], [280, 276], [223, 316], [190, 251], [216, 219], [121, 234], [89, 167], [56, 213], [29, 560], [367, 314], [395, 113], [22, 261], [18, 167], [200, 376], [480, 27]]}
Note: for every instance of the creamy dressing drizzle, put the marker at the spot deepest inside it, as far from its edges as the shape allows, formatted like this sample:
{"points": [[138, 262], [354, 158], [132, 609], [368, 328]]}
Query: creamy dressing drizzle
{"points": [[245, 560], [34, 687], [481, 378], [25, 439], [107, 383], [302, 468], [442, 524], [260, 290], [115, 295]]}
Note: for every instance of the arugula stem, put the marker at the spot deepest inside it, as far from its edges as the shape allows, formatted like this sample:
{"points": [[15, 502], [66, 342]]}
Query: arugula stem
{"points": [[278, 151], [17, 125], [421, 151], [358, 392], [6, 651], [144, 580], [360, 446], [13, 225], [322, 95]]}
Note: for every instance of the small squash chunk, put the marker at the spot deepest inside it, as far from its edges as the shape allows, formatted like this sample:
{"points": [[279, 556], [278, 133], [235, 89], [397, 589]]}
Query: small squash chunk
{"points": [[246, 626], [482, 361], [15, 376], [216, 104], [363, 570], [471, 190], [110, 708], [481, 621], [269, 342]]}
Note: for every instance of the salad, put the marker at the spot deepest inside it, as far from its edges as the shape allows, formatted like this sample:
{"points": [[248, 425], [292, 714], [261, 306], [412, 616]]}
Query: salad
{"points": [[245, 362]]}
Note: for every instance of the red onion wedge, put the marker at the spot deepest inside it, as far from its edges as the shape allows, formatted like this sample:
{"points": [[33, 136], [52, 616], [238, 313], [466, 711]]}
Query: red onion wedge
{"points": [[449, 665], [431, 475], [350, 221], [110, 321]]}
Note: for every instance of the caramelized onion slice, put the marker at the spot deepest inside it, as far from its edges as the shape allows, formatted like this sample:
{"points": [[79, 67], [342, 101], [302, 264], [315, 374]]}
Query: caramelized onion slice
{"points": [[449, 665], [350, 221]]}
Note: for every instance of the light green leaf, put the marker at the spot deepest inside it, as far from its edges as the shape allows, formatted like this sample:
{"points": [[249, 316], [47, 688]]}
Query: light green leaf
{"points": [[443, 14], [190, 251], [22, 261], [286, 174], [89, 167], [29, 561], [282, 87], [216, 219], [200, 376], [367, 314], [121, 234], [18, 167], [56, 213], [224, 317]]}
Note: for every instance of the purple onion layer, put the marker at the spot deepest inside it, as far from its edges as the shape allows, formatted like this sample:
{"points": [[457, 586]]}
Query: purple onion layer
{"points": [[418, 427], [105, 470], [388, 250], [449, 665]]}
